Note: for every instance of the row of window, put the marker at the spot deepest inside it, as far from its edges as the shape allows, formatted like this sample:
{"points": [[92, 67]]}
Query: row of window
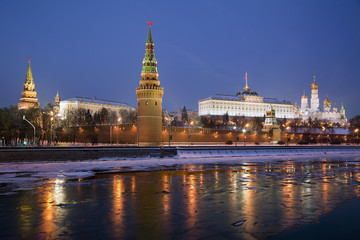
{"points": [[147, 103], [247, 108]]}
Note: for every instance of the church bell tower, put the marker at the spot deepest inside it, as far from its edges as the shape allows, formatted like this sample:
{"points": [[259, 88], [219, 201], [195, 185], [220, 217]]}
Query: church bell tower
{"points": [[315, 102], [149, 99]]}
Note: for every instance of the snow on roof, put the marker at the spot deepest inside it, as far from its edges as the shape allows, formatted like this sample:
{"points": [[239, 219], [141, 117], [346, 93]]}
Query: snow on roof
{"points": [[98, 101], [240, 98]]}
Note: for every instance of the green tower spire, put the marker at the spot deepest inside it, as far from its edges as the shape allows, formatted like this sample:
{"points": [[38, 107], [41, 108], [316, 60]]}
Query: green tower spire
{"points": [[149, 62], [29, 76], [149, 38]]}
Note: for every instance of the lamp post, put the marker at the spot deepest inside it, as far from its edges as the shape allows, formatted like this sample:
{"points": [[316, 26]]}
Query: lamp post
{"points": [[52, 122], [31, 125], [110, 134], [117, 134], [169, 134], [355, 131], [190, 124], [244, 131]]}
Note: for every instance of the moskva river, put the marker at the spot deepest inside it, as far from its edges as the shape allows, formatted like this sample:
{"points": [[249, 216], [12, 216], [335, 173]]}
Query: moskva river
{"points": [[237, 201]]}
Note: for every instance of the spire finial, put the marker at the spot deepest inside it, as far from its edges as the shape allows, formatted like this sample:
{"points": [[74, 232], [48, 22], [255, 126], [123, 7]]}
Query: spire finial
{"points": [[29, 77], [29, 60], [314, 78], [149, 38], [246, 83]]}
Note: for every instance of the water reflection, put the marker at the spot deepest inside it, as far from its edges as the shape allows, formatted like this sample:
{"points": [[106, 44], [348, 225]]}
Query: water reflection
{"points": [[193, 202], [116, 213]]}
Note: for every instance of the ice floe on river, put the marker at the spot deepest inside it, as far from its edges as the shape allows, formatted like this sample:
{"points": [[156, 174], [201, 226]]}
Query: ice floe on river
{"points": [[24, 175]]}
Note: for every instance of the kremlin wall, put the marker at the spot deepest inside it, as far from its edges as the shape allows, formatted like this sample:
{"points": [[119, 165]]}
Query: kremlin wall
{"points": [[127, 134]]}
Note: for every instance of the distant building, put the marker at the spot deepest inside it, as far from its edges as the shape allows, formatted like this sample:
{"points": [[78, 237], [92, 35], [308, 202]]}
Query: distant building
{"points": [[28, 95], [92, 104], [247, 103], [313, 111]]}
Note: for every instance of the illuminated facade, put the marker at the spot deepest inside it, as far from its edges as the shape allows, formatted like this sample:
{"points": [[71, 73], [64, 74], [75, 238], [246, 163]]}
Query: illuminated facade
{"points": [[305, 112], [28, 95], [246, 103], [149, 99], [91, 104]]}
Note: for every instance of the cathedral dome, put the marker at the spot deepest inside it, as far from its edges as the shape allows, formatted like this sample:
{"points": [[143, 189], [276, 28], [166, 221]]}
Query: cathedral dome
{"points": [[327, 102], [314, 85], [248, 92]]}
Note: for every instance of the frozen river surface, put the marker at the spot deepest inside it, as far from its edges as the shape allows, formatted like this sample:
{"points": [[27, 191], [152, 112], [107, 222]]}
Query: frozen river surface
{"points": [[210, 199]]}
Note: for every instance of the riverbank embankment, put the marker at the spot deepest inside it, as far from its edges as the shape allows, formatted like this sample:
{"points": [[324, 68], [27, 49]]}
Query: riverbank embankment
{"points": [[93, 153]]}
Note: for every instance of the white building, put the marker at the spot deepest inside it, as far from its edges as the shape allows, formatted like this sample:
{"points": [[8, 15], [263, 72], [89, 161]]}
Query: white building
{"points": [[314, 112], [247, 103], [92, 104]]}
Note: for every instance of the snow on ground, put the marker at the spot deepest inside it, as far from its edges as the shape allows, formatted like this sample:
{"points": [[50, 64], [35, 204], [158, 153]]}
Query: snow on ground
{"points": [[25, 175]]}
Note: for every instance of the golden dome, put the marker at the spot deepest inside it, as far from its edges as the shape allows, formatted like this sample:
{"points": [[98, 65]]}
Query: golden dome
{"points": [[314, 85], [327, 102]]}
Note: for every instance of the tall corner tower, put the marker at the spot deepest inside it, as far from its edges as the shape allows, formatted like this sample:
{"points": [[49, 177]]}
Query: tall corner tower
{"points": [[314, 97], [28, 95], [149, 99]]}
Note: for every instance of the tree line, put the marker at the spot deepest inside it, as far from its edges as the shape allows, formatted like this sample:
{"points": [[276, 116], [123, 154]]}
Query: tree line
{"points": [[14, 130]]}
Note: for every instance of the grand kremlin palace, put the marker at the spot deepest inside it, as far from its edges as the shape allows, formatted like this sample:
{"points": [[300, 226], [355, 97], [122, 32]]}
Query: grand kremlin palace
{"points": [[247, 103]]}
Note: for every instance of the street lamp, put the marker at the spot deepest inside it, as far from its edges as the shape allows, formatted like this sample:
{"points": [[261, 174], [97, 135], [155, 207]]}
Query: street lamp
{"points": [[356, 131], [31, 125], [52, 126], [190, 124], [244, 131]]}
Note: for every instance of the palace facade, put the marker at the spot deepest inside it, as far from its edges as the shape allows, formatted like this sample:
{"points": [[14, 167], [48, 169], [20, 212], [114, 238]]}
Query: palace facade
{"points": [[92, 104], [247, 103]]}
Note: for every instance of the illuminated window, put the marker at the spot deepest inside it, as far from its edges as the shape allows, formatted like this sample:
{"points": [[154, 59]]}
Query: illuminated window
{"points": [[147, 102]]}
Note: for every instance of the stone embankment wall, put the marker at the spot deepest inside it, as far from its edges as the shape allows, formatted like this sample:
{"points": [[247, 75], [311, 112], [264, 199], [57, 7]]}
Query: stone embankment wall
{"points": [[116, 153]]}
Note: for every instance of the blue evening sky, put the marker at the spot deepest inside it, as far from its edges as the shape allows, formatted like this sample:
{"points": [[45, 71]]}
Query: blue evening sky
{"points": [[95, 48]]}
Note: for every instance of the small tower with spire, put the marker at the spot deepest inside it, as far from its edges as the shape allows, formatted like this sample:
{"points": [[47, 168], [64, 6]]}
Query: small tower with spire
{"points": [[149, 99], [28, 95], [57, 104], [271, 125], [335, 108], [342, 113]]}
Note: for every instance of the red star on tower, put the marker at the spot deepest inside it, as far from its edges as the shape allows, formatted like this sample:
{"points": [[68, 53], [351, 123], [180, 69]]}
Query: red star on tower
{"points": [[149, 23]]}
